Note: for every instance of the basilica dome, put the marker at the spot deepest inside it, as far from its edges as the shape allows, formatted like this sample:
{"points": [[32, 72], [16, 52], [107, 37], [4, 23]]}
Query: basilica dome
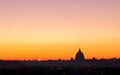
{"points": [[79, 56]]}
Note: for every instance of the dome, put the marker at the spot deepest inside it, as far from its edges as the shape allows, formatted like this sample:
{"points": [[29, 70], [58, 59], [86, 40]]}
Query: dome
{"points": [[79, 56]]}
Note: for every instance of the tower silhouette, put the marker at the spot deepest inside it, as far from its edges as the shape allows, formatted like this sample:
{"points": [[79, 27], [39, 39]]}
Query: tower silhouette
{"points": [[79, 56]]}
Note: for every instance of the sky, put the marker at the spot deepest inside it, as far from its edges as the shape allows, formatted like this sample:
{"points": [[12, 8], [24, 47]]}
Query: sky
{"points": [[53, 29]]}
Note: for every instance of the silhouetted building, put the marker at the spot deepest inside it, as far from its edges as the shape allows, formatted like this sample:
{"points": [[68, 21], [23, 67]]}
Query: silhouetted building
{"points": [[71, 59], [79, 56]]}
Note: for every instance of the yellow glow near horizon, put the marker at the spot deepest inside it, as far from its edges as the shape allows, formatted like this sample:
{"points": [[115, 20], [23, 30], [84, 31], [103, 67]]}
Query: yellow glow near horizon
{"points": [[33, 29]]}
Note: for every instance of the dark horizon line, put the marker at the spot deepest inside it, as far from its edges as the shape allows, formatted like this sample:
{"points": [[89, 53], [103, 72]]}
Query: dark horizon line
{"points": [[56, 59]]}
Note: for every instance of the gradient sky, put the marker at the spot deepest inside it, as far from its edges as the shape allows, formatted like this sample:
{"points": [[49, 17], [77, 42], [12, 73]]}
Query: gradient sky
{"points": [[52, 29]]}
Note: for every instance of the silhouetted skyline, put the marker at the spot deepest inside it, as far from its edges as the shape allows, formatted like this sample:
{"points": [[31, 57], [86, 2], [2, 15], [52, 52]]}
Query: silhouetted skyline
{"points": [[77, 66], [42, 37]]}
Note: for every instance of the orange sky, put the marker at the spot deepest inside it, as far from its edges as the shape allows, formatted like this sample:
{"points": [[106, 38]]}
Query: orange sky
{"points": [[52, 29]]}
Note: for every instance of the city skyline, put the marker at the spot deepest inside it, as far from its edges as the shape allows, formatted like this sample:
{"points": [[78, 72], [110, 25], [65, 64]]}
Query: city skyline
{"points": [[52, 29]]}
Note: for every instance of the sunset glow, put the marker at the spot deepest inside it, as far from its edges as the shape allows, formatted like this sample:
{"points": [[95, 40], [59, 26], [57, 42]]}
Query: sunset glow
{"points": [[53, 29]]}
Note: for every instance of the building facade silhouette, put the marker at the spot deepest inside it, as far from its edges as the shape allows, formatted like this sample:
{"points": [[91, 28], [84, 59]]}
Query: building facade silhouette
{"points": [[79, 56]]}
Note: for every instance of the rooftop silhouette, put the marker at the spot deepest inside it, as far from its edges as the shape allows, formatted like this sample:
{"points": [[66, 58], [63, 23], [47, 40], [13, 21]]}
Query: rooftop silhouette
{"points": [[76, 66]]}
